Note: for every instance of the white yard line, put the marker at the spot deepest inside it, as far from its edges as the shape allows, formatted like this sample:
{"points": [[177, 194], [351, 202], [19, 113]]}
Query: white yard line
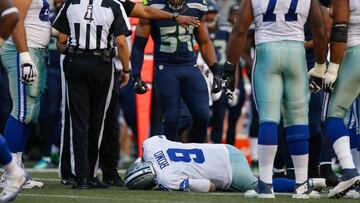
{"points": [[55, 170]]}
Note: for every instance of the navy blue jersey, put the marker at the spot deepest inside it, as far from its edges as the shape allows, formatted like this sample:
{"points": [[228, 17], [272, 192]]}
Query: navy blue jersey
{"points": [[219, 39], [173, 44], [310, 57]]}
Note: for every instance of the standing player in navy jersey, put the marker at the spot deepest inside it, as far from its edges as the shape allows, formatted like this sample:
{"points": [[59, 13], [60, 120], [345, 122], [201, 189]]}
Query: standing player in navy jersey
{"points": [[176, 74]]}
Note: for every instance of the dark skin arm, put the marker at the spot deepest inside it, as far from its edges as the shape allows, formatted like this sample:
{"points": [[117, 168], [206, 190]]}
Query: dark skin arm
{"points": [[317, 26], [340, 14], [147, 12], [61, 42], [205, 45], [238, 36], [19, 34], [7, 22]]}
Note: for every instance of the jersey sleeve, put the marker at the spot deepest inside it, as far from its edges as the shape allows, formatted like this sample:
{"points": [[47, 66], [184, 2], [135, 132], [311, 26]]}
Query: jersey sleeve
{"points": [[128, 6], [61, 22], [120, 26]]}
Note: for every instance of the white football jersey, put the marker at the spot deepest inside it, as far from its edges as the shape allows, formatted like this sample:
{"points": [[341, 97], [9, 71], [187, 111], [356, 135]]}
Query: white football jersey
{"points": [[177, 165], [37, 24], [278, 20], [354, 23]]}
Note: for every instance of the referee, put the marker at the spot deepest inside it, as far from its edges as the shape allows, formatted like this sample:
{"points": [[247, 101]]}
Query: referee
{"points": [[92, 28]]}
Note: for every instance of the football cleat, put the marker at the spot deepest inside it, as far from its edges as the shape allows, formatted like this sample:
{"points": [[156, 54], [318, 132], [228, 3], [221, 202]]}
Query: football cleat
{"points": [[30, 183], [350, 179], [353, 194], [262, 190], [305, 191], [13, 186]]}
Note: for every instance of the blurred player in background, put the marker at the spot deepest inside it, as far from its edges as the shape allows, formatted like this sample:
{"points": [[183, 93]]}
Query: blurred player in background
{"points": [[23, 57], [345, 50], [15, 174], [280, 81], [176, 75]]}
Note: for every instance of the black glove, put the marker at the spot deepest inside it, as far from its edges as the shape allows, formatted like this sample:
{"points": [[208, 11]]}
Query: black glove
{"points": [[315, 84], [229, 76], [217, 81], [140, 86]]}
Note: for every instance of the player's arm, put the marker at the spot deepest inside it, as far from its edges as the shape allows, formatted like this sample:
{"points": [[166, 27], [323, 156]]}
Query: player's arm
{"points": [[9, 16], [19, 33], [237, 41], [338, 41], [142, 33], [320, 45], [148, 12], [200, 185], [61, 43], [207, 50]]}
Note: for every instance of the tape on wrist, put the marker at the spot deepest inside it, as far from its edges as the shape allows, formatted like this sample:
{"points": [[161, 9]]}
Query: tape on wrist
{"points": [[333, 68], [320, 67]]}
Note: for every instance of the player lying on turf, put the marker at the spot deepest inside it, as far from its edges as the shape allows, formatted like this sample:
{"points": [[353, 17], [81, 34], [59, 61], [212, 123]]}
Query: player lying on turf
{"points": [[192, 167]]}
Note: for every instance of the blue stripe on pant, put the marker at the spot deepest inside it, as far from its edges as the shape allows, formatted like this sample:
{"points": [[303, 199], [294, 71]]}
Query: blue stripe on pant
{"points": [[176, 82]]}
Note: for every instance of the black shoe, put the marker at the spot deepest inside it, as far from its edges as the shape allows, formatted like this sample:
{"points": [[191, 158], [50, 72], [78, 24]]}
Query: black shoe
{"points": [[326, 172], [68, 181], [82, 183], [97, 184], [114, 182]]}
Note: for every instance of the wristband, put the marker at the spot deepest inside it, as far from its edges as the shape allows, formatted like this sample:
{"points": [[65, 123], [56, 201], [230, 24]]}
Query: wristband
{"points": [[320, 67], [9, 11], [25, 57], [126, 71]]}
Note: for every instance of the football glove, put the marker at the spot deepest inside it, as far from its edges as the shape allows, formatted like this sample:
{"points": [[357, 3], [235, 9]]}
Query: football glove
{"points": [[330, 77], [28, 69], [229, 76], [140, 86], [235, 98], [217, 82], [315, 77]]}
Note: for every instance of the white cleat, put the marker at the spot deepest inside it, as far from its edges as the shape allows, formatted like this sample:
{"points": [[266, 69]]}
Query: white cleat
{"points": [[13, 186], [305, 191], [350, 180], [262, 190], [317, 183], [353, 194], [33, 184]]}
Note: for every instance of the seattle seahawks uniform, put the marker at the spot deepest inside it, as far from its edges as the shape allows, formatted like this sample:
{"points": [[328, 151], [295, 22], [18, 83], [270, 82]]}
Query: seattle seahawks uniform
{"points": [[183, 167], [176, 75]]}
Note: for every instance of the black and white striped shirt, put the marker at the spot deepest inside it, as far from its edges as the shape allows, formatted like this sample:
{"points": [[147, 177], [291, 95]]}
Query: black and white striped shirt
{"points": [[92, 24]]}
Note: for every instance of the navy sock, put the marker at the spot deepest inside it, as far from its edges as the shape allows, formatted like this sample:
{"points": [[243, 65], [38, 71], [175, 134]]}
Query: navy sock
{"points": [[5, 156]]}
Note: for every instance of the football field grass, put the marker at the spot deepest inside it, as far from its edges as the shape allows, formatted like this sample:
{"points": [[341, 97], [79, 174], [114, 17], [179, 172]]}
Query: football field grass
{"points": [[54, 192]]}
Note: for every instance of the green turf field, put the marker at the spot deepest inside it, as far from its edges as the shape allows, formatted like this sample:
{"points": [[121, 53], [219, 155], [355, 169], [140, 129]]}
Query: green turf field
{"points": [[54, 192]]}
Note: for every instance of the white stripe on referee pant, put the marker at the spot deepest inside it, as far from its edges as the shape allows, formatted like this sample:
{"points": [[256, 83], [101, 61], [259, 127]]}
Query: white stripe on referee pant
{"points": [[72, 157], [107, 103], [325, 105], [62, 107]]}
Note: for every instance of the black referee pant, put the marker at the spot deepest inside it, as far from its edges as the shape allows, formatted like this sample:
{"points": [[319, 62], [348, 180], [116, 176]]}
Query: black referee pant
{"points": [[90, 83]]}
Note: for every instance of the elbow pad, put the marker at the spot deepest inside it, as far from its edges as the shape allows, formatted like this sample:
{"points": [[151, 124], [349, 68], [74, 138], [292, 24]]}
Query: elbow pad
{"points": [[137, 54], [339, 32]]}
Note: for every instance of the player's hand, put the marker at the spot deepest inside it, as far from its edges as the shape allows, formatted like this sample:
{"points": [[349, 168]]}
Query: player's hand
{"points": [[124, 78], [229, 76], [315, 77], [217, 84], [233, 101], [330, 77], [140, 86], [28, 68], [185, 21]]}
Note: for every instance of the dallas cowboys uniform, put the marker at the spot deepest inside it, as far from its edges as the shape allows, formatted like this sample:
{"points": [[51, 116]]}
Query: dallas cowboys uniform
{"points": [[191, 167]]}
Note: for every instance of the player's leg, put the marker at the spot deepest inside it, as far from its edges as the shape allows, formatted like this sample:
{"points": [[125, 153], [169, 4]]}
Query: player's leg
{"points": [[217, 119], [26, 102], [168, 93], [242, 179], [185, 120], [254, 131], [345, 92], [15, 174], [196, 97], [295, 114], [267, 90]]}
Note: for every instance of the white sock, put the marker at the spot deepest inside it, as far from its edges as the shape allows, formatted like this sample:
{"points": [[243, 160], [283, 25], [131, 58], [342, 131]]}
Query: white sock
{"points": [[14, 157], [19, 158], [253, 148], [12, 168], [354, 155], [266, 162], [343, 153], [301, 167]]}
